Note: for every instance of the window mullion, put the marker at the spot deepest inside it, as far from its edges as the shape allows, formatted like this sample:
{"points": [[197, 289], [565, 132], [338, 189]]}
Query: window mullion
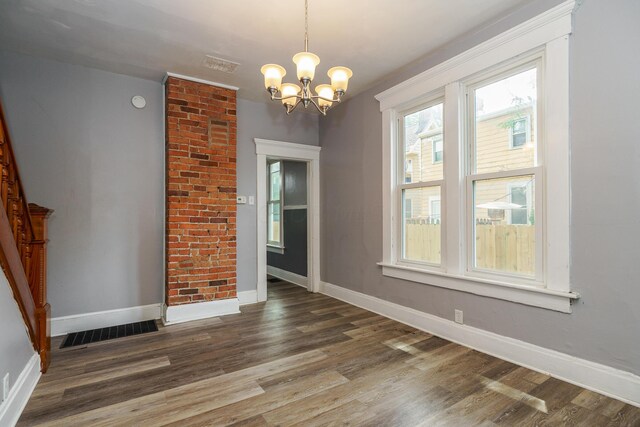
{"points": [[453, 189]]}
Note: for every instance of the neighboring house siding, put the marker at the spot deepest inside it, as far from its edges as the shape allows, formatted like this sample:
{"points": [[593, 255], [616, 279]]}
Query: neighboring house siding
{"points": [[495, 151]]}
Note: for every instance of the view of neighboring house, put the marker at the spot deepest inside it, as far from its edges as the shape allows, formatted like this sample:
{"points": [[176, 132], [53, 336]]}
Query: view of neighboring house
{"points": [[504, 137], [505, 140]]}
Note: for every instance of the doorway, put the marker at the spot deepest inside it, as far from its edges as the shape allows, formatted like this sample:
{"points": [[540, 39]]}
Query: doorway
{"points": [[272, 158], [287, 220]]}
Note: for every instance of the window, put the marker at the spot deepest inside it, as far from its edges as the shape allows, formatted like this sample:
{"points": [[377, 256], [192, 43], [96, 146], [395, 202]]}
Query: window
{"points": [[408, 171], [274, 205], [519, 132], [500, 112], [521, 196], [421, 237], [436, 149], [495, 172], [408, 209], [434, 208]]}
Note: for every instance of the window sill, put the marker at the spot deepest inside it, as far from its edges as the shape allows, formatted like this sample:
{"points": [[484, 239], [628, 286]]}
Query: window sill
{"points": [[528, 295], [275, 249]]}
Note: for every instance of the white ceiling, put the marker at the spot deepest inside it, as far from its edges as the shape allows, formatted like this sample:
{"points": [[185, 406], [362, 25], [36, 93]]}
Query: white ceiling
{"points": [[146, 38]]}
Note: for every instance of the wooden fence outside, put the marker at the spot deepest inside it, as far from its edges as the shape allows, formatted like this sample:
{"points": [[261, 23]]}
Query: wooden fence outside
{"points": [[503, 247]]}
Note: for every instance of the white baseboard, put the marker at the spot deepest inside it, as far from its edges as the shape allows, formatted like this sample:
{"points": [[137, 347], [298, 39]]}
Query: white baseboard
{"points": [[102, 319], [201, 310], [20, 392], [294, 278], [603, 379], [248, 297]]}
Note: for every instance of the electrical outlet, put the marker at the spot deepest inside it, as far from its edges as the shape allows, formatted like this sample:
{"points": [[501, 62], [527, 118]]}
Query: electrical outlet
{"points": [[241, 200], [458, 316], [5, 387]]}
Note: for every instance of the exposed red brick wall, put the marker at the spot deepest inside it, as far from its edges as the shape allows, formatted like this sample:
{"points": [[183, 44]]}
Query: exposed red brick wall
{"points": [[201, 192]]}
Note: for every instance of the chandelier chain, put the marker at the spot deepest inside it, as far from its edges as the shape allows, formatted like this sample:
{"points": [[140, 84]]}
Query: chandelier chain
{"points": [[306, 25]]}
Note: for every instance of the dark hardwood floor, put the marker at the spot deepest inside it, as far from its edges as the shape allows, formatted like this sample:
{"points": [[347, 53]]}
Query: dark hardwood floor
{"points": [[303, 359]]}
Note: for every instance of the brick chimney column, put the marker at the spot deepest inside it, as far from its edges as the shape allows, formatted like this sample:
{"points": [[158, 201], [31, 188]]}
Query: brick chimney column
{"points": [[200, 200]]}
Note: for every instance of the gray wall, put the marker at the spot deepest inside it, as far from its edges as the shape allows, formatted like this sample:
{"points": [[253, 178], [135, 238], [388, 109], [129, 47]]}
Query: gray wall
{"points": [[294, 221], [15, 346], [605, 176], [267, 121], [84, 151], [295, 183]]}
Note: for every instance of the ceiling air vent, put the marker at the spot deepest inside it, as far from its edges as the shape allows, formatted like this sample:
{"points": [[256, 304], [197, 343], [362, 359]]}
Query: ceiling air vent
{"points": [[220, 64]]}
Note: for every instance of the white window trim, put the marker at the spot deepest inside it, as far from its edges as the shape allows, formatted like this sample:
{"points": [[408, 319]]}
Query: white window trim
{"points": [[547, 33], [275, 249]]}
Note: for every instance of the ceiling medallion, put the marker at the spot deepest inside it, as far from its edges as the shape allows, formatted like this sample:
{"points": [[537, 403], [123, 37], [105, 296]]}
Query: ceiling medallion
{"points": [[291, 94]]}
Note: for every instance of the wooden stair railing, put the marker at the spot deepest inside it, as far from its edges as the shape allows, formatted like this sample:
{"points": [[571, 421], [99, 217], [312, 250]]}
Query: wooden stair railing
{"points": [[23, 249]]}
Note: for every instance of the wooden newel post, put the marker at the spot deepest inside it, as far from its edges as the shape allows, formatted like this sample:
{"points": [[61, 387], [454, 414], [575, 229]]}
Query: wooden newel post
{"points": [[38, 281]]}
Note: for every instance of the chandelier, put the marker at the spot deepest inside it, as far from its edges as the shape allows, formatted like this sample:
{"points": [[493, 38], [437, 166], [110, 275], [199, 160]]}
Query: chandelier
{"points": [[291, 94]]}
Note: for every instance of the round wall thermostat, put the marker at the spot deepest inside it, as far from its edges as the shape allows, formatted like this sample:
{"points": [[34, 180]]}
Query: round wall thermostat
{"points": [[138, 101]]}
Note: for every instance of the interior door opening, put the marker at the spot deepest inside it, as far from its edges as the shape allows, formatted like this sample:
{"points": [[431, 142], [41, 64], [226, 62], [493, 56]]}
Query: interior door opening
{"points": [[275, 207], [287, 221]]}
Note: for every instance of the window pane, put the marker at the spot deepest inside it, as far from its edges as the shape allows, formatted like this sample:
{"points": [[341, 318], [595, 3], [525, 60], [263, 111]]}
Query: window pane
{"points": [[275, 181], [421, 224], [423, 149], [504, 224], [437, 148], [274, 167], [274, 223], [505, 118]]}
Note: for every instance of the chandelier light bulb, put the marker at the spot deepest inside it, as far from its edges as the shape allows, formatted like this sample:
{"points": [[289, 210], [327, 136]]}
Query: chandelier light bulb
{"points": [[324, 91], [306, 63], [340, 78], [273, 75], [289, 93]]}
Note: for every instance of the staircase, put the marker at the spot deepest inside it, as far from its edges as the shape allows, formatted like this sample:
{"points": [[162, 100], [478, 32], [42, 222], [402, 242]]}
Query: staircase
{"points": [[23, 249]]}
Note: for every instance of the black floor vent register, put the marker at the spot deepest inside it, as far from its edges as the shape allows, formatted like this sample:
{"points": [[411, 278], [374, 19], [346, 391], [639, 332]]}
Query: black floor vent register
{"points": [[112, 332]]}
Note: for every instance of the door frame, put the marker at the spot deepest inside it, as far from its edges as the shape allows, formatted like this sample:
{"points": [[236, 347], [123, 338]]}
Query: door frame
{"points": [[309, 154]]}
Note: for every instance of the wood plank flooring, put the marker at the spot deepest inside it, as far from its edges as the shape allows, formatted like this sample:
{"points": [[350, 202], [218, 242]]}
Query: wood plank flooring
{"points": [[303, 359]]}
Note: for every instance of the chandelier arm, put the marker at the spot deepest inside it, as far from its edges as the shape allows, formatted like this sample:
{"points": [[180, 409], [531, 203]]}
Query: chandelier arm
{"points": [[322, 110], [325, 99], [289, 110], [280, 98]]}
